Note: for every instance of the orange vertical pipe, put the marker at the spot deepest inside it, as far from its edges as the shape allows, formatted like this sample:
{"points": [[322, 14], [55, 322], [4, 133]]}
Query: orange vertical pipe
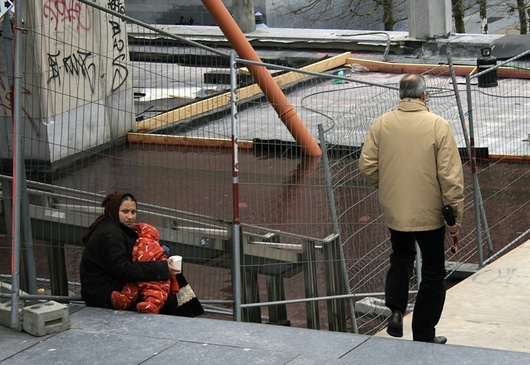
{"points": [[272, 91]]}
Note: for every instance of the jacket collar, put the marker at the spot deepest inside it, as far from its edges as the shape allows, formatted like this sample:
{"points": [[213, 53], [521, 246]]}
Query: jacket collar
{"points": [[412, 105]]}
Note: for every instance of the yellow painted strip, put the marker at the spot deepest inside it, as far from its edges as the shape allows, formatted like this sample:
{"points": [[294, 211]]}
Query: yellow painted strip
{"points": [[166, 139]]}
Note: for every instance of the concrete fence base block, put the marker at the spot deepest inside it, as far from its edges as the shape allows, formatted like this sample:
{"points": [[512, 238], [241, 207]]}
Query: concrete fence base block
{"points": [[376, 307], [45, 318], [5, 315]]}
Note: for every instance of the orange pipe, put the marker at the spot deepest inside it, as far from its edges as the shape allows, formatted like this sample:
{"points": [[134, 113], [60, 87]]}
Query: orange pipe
{"points": [[263, 78]]}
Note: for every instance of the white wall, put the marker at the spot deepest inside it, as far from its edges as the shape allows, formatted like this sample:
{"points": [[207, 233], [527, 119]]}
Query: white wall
{"points": [[77, 84]]}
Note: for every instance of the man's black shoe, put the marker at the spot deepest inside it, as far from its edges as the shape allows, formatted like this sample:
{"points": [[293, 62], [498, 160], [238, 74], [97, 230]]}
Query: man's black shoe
{"points": [[440, 340], [395, 324]]}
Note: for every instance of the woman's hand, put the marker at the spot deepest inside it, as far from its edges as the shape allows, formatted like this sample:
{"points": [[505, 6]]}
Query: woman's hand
{"points": [[172, 270]]}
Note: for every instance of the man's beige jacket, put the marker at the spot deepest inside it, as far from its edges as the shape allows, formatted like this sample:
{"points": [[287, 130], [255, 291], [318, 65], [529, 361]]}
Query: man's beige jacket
{"points": [[411, 155]]}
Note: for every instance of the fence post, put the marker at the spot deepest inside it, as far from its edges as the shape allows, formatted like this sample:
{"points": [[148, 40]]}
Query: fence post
{"points": [[18, 164], [474, 172], [470, 152], [336, 229], [236, 229]]}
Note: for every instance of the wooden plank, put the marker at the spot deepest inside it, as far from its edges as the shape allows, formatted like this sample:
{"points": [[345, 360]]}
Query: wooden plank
{"points": [[166, 139], [186, 111], [432, 69], [508, 158], [223, 100], [404, 68]]}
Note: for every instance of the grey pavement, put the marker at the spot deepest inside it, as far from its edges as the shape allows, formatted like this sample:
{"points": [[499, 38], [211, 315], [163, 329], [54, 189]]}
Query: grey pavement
{"points": [[485, 320], [100, 336]]}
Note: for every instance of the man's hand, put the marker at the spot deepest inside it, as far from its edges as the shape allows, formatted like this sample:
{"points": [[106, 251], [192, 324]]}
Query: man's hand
{"points": [[454, 230]]}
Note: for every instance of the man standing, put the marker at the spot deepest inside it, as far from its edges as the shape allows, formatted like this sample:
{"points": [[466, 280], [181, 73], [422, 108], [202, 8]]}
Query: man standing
{"points": [[411, 155]]}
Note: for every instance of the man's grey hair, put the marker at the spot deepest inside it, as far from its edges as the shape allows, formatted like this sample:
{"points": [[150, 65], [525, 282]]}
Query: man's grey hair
{"points": [[412, 86]]}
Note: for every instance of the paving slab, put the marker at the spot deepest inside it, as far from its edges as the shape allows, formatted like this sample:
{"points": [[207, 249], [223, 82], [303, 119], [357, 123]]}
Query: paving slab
{"points": [[420, 353], [102, 336], [13, 342]]}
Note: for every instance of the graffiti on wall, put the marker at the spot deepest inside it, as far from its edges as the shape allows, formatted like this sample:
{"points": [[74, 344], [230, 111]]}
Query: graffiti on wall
{"points": [[119, 63], [76, 64], [6, 104], [72, 24], [67, 11], [117, 6]]}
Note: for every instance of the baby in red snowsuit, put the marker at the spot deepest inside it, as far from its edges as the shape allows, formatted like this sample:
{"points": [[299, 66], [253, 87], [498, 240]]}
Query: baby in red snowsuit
{"points": [[154, 293]]}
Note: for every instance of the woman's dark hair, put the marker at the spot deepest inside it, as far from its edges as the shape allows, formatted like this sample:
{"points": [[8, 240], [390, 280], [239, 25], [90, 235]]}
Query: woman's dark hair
{"points": [[412, 86]]}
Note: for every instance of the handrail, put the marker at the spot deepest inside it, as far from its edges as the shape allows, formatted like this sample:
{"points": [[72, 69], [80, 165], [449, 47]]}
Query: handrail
{"points": [[151, 209]]}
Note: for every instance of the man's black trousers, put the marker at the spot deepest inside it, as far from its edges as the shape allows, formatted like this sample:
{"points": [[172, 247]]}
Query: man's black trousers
{"points": [[431, 294]]}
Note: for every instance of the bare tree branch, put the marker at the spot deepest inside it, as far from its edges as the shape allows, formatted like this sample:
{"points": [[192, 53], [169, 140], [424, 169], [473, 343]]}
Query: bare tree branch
{"points": [[381, 10], [522, 10]]}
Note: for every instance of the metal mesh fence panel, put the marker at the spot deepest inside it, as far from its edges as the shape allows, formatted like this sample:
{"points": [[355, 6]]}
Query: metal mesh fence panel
{"points": [[110, 104]]}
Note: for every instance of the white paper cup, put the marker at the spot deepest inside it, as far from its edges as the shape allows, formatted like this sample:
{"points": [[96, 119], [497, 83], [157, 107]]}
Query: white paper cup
{"points": [[176, 262]]}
